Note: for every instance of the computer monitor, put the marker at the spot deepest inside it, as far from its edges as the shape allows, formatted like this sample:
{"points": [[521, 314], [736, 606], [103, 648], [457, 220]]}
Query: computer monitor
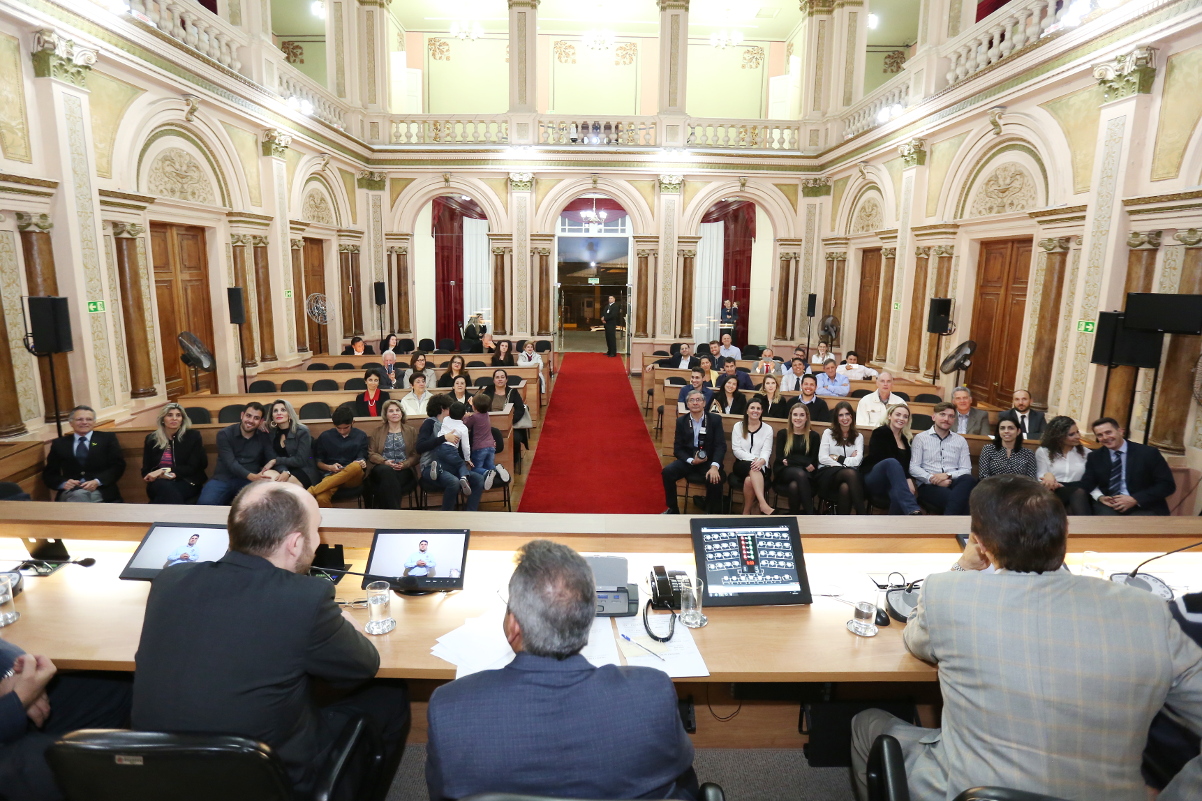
{"points": [[418, 560], [745, 562], [167, 544]]}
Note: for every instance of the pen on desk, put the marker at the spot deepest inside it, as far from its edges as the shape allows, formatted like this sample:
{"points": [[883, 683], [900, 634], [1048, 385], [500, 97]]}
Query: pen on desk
{"points": [[645, 648]]}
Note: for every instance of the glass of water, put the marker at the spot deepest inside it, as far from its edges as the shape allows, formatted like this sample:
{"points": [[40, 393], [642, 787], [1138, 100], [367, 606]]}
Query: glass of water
{"points": [[692, 591], [864, 622], [379, 608], [8, 609]]}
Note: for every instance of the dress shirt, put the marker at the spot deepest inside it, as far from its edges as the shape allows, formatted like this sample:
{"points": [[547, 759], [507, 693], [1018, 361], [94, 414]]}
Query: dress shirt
{"points": [[333, 448], [934, 454], [1066, 469], [419, 556], [871, 409], [1122, 488], [697, 426], [684, 363], [961, 423], [238, 456], [856, 372], [837, 387], [772, 366], [733, 350], [757, 445], [993, 461], [87, 438], [791, 381], [179, 554], [832, 455], [415, 406]]}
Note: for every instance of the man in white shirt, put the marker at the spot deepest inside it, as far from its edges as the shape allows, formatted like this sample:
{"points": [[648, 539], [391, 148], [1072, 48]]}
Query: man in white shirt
{"points": [[941, 465], [728, 349], [1030, 420], [766, 365], [871, 410], [791, 382], [684, 361], [854, 370]]}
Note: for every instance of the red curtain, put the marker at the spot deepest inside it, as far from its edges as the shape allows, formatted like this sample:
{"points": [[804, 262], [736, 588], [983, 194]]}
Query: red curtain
{"points": [[987, 7], [738, 228], [447, 228]]}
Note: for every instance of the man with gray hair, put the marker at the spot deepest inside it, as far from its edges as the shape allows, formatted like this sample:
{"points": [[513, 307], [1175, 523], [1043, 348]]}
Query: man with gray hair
{"points": [[969, 420], [85, 465], [699, 447], [550, 723]]}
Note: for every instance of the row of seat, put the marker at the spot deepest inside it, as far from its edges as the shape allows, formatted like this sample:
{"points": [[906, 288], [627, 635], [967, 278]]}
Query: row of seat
{"points": [[330, 385], [469, 346], [316, 410], [379, 366]]}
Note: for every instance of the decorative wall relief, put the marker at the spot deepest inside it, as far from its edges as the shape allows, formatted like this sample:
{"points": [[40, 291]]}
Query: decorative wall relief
{"points": [[894, 61], [1008, 188], [868, 217], [625, 54], [440, 49], [753, 57], [316, 208], [565, 52], [11, 290], [176, 174], [294, 52], [14, 125]]}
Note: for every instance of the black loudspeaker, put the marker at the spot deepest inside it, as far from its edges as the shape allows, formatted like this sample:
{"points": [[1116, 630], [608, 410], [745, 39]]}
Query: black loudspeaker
{"points": [[939, 318], [50, 325], [237, 305], [811, 305], [380, 299], [1115, 344], [1164, 312]]}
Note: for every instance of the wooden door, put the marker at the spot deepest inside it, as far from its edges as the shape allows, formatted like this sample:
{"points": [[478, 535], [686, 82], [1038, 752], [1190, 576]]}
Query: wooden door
{"points": [[315, 284], [870, 290], [1003, 273], [181, 283]]}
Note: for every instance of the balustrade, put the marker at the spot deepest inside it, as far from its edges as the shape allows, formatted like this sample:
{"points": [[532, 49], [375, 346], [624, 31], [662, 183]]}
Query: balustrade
{"points": [[424, 129], [596, 131], [745, 134], [193, 26], [886, 102]]}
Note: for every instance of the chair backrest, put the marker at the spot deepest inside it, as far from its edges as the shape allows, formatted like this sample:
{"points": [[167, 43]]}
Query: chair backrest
{"points": [[355, 383], [442, 350], [318, 366], [743, 370], [1002, 794], [404, 346], [231, 413], [519, 346], [674, 349], [315, 410], [444, 364], [483, 381], [660, 353], [542, 346], [676, 380], [498, 440], [426, 344], [476, 363], [294, 385], [471, 346], [199, 415], [372, 366], [262, 385], [446, 344], [860, 393], [343, 366], [920, 422], [887, 771], [927, 397], [903, 395], [325, 385], [709, 792], [752, 351], [116, 765]]}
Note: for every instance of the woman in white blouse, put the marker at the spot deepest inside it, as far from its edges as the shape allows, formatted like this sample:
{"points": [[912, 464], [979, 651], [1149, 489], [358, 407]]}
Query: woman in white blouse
{"points": [[528, 357], [1060, 464], [839, 455], [751, 441], [821, 355]]}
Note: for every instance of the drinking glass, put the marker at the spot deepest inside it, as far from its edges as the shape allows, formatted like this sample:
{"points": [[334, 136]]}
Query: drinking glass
{"points": [[8, 609], [379, 608], [692, 592], [1090, 566], [864, 622]]}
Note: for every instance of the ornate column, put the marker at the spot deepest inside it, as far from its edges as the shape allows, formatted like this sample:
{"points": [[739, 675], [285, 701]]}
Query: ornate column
{"points": [[1176, 379], [288, 253], [687, 259], [673, 69], [297, 253], [500, 300], [840, 282], [41, 278], [668, 214], [263, 300], [1142, 248], [642, 301], [133, 309], [885, 313], [11, 424], [523, 69], [828, 286], [922, 258], [943, 277], [1043, 346], [348, 272], [400, 256], [241, 245], [543, 255], [784, 299]]}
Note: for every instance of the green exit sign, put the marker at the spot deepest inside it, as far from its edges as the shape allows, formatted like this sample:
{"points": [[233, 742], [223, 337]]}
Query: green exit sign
{"points": [[287, 293], [896, 307], [1086, 326], [96, 306]]}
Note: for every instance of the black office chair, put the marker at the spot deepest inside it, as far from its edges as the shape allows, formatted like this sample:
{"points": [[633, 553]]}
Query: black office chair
{"points": [[447, 344], [709, 792], [1002, 794], [426, 344], [752, 352], [927, 397], [920, 422], [345, 493], [674, 349], [121, 765], [743, 370], [483, 381], [372, 366], [318, 366], [343, 366], [262, 385], [355, 383], [294, 385], [442, 350], [519, 346], [660, 353], [315, 410], [198, 415], [444, 364], [231, 413], [860, 393], [325, 385], [903, 395], [476, 363], [673, 381], [887, 771], [542, 346], [404, 346]]}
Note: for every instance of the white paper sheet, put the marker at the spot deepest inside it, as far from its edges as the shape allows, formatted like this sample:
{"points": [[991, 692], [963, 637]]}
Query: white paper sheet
{"points": [[602, 649], [681, 658], [479, 644]]}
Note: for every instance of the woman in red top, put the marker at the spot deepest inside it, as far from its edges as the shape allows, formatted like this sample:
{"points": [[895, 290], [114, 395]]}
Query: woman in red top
{"points": [[369, 402]]}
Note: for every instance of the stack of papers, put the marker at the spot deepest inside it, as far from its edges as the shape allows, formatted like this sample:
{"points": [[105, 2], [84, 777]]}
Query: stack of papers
{"points": [[678, 657]]}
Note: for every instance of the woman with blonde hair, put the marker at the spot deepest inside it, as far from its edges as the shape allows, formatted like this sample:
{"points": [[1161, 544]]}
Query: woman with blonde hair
{"points": [[392, 451], [292, 446], [775, 404], [173, 458], [886, 468], [796, 460]]}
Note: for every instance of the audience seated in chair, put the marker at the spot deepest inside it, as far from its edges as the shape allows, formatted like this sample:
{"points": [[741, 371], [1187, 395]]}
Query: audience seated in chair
{"points": [[696, 382], [529, 358], [173, 458], [369, 402], [727, 398], [699, 446], [1031, 421], [871, 410], [1006, 453], [357, 348], [85, 466], [1037, 695], [816, 406], [852, 368], [886, 468], [795, 460], [830, 383], [504, 355], [1060, 464], [766, 365], [243, 450], [457, 367], [341, 457], [776, 405], [728, 350], [291, 447], [531, 727], [419, 365], [751, 441], [968, 420], [392, 451], [730, 367], [685, 361], [839, 455], [430, 437], [941, 464], [820, 355], [234, 646], [389, 343], [791, 379], [392, 376], [1124, 477]]}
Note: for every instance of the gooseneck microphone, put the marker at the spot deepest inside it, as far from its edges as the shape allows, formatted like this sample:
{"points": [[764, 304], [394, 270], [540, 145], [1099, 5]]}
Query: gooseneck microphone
{"points": [[26, 564], [1131, 575], [406, 585]]}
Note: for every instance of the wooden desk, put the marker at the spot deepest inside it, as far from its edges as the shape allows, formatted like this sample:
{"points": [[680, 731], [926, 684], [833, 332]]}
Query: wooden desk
{"points": [[280, 375], [22, 463], [435, 359]]}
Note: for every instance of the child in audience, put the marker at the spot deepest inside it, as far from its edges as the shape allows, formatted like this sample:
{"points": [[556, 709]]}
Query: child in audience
{"points": [[454, 458], [484, 451]]}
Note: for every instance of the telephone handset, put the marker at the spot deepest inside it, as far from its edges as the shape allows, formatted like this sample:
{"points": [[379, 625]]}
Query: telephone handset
{"points": [[666, 587]]}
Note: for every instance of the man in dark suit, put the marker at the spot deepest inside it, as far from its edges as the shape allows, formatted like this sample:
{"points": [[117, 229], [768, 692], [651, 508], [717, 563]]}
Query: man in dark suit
{"points": [[731, 367], [1124, 477], [232, 646], [611, 315], [699, 446], [550, 723], [86, 465], [1031, 421], [685, 361]]}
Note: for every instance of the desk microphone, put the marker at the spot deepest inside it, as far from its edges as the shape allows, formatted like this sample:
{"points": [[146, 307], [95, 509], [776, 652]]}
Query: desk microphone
{"points": [[25, 564], [402, 584], [1147, 582]]}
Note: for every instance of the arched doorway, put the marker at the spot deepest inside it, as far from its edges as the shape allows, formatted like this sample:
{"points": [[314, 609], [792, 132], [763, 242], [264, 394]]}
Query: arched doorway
{"points": [[592, 262], [734, 262], [455, 241]]}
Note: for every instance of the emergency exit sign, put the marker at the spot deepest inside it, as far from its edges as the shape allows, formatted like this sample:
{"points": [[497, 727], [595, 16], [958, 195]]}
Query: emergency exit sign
{"points": [[1087, 326], [288, 293], [96, 306], [594, 280]]}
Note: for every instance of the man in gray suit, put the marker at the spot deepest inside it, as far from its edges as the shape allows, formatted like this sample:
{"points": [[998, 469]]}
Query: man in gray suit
{"points": [[1049, 680], [968, 420]]}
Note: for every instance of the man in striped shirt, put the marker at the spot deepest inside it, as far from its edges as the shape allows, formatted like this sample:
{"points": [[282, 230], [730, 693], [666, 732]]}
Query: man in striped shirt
{"points": [[941, 465]]}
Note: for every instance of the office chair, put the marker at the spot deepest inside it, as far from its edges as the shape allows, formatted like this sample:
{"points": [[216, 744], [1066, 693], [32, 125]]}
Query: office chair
{"points": [[294, 385], [887, 771], [355, 383], [709, 792], [1002, 794], [315, 410], [231, 413], [861, 393], [198, 415], [318, 366], [927, 397], [262, 385], [325, 385]]}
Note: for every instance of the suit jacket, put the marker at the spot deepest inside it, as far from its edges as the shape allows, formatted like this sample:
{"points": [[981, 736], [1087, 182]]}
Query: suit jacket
{"points": [[1057, 696], [188, 457], [612, 315], [673, 362], [978, 423], [1149, 479], [1035, 422], [715, 439], [105, 462], [562, 728], [367, 350], [229, 647]]}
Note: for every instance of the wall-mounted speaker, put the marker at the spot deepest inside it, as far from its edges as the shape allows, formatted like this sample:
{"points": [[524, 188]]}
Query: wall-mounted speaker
{"points": [[811, 305], [1115, 344], [380, 298], [50, 325], [939, 318], [236, 297]]}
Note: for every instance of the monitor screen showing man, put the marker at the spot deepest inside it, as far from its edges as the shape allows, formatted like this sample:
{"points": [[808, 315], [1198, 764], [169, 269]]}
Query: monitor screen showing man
{"points": [[419, 559], [169, 544]]}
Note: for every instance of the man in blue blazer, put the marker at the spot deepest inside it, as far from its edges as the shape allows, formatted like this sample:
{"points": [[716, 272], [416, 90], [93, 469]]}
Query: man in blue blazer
{"points": [[1124, 477], [550, 723]]}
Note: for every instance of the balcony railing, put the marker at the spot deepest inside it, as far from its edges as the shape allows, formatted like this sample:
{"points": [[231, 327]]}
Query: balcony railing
{"points": [[308, 96], [1003, 33], [449, 129], [884, 103], [745, 134], [598, 131], [195, 26]]}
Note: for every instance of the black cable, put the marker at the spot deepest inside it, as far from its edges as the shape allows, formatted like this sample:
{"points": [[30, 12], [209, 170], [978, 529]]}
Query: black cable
{"points": [[1185, 496], [652, 634], [714, 714]]}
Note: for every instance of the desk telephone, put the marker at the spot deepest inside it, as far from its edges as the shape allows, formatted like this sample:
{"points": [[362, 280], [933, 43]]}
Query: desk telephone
{"points": [[666, 587]]}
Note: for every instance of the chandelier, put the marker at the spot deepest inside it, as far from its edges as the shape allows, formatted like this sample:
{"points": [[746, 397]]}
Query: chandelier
{"points": [[318, 9], [466, 30], [594, 218], [727, 37], [599, 40]]}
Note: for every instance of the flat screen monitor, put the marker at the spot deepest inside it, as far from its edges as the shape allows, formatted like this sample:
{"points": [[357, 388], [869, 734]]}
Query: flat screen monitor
{"points": [[1163, 312], [167, 544], [418, 560], [745, 562]]}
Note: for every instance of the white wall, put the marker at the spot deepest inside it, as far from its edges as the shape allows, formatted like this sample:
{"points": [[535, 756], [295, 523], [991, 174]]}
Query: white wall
{"points": [[759, 316], [423, 275]]}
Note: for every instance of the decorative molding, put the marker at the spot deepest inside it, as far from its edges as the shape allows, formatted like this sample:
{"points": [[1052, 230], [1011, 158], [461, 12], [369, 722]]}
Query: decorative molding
{"points": [[894, 62], [1129, 74], [440, 49], [789, 255], [753, 58], [345, 248], [913, 153], [888, 253], [1191, 237], [944, 250], [1144, 240], [276, 143], [995, 119], [373, 181], [323, 161], [296, 244], [241, 240], [625, 54], [294, 52], [124, 230], [398, 250], [671, 184], [257, 241], [687, 254], [316, 208], [1008, 188], [923, 251], [540, 251], [1058, 244], [176, 174], [193, 104], [38, 222], [55, 56], [521, 182], [869, 217], [815, 187], [565, 52]]}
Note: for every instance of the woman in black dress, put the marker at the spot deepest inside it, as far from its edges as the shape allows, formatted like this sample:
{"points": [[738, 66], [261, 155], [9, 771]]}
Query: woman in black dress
{"points": [[457, 367], [727, 397], [795, 460], [775, 405], [174, 459], [886, 468], [292, 446], [504, 355]]}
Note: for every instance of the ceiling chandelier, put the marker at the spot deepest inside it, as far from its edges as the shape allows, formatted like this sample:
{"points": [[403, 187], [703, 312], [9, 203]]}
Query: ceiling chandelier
{"points": [[599, 40], [727, 37], [466, 30], [594, 218]]}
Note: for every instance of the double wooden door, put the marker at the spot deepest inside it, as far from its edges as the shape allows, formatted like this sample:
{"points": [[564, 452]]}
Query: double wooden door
{"points": [[181, 283], [870, 292], [315, 284], [1003, 275]]}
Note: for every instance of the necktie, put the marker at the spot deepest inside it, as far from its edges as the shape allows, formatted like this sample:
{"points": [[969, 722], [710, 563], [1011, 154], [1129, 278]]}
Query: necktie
{"points": [[1116, 473], [1024, 419], [81, 451]]}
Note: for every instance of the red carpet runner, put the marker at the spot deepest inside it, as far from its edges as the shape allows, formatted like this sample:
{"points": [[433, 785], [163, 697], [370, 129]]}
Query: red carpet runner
{"points": [[594, 455]]}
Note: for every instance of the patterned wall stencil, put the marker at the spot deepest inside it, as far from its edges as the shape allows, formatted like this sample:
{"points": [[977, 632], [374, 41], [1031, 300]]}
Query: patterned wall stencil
{"points": [[668, 269], [11, 290], [119, 345], [1034, 298]]}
